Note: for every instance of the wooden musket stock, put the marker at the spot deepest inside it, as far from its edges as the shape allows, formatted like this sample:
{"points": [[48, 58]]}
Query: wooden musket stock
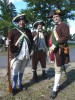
{"points": [[9, 70]]}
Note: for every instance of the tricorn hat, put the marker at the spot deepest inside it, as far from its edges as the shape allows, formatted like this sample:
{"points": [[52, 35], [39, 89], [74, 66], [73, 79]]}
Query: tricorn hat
{"points": [[40, 22], [20, 17], [56, 12]]}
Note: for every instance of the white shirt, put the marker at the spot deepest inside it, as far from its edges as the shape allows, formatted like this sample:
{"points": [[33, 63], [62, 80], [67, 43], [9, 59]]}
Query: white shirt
{"points": [[24, 51]]}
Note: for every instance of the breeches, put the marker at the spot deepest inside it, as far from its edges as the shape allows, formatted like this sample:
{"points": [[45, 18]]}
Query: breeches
{"points": [[18, 66], [57, 68], [39, 56]]}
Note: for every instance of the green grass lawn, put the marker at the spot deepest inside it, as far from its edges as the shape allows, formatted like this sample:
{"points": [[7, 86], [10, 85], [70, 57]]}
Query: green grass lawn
{"points": [[3, 53], [71, 45]]}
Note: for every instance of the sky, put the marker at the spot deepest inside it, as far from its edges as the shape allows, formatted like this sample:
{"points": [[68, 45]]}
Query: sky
{"points": [[19, 4]]}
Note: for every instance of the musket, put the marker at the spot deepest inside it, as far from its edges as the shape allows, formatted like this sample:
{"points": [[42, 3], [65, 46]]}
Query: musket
{"points": [[9, 70]]}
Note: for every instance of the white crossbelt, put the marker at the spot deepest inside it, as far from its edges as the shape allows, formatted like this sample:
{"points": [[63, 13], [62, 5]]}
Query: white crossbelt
{"points": [[21, 37]]}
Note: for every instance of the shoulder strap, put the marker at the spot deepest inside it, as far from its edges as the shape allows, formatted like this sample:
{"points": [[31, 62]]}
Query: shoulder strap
{"points": [[23, 35], [55, 34]]}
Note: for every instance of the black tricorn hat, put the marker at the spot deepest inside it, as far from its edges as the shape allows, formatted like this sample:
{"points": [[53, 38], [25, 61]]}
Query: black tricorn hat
{"points": [[20, 17], [40, 22], [56, 12]]}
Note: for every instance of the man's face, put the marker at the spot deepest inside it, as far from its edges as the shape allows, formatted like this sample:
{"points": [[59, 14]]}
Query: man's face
{"points": [[21, 23], [56, 18], [39, 26]]}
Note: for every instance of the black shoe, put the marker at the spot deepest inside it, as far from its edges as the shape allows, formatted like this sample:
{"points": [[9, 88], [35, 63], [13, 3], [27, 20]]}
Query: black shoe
{"points": [[53, 95], [35, 77], [44, 75], [20, 88], [14, 92]]}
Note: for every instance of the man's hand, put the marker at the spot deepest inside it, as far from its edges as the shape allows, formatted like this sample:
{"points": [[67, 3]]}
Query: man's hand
{"points": [[41, 35], [51, 49], [31, 54], [35, 38]]}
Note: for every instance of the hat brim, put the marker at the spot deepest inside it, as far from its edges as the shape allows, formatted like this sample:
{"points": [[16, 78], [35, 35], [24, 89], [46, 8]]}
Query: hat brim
{"points": [[20, 17], [51, 16], [38, 23], [55, 13]]}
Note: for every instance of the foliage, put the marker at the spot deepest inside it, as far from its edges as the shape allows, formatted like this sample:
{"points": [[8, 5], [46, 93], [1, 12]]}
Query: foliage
{"points": [[8, 11], [73, 37], [70, 36], [40, 9]]}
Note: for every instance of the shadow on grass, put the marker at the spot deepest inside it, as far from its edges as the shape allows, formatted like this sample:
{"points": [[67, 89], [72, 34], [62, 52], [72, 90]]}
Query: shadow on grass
{"points": [[1, 98], [70, 79], [49, 75]]}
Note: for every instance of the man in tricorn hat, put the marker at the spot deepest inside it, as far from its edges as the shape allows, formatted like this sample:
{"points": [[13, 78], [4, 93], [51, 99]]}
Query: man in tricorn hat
{"points": [[39, 43], [20, 47], [60, 37]]}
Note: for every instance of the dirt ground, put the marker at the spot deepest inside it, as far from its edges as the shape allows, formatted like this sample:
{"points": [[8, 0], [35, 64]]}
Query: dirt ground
{"points": [[40, 90]]}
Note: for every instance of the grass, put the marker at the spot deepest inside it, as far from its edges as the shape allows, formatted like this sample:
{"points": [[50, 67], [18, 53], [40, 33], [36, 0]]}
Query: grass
{"points": [[71, 45], [3, 53], [40, 90]]}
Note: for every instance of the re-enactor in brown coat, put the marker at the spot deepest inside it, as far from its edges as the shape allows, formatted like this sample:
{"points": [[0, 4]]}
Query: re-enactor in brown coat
{"points": [[39, 48], [60, 37], [62, 30], [20, 47], [14, 36]]}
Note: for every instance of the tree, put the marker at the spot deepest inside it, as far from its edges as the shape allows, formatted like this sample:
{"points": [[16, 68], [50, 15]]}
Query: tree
{"points": [[40, 9], [11, 10], [8, 11], [73, 37], [70, 36]]}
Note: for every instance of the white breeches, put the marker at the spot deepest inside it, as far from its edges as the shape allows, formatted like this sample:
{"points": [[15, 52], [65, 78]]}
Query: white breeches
{"points": [[18, 66]]}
